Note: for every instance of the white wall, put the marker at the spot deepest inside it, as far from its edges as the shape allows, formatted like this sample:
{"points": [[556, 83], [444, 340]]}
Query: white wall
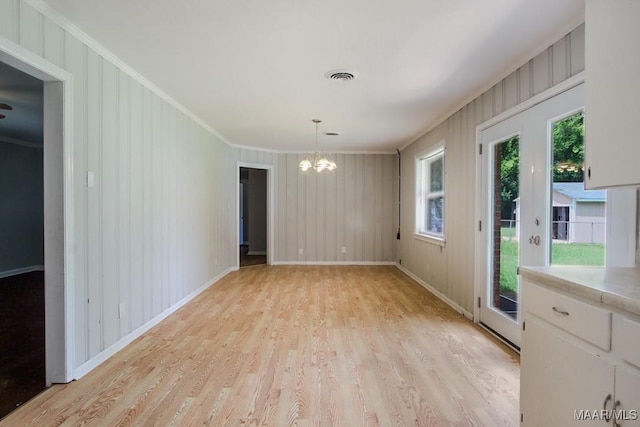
{"points": [[450, 269], [21, 207], [353, 206], [157, 225], [638, 228]]}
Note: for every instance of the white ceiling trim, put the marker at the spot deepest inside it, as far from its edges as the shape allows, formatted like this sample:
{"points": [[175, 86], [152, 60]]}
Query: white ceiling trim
{"points": [[548, 42], [72, 29], [269, 150]]}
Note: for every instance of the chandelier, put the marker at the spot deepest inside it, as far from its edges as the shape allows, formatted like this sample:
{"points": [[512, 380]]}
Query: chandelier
{"points": [[319, 162]]}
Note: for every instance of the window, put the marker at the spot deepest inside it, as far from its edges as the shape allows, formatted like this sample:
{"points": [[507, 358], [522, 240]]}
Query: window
{"points": [[579, 219], [430, 193]]}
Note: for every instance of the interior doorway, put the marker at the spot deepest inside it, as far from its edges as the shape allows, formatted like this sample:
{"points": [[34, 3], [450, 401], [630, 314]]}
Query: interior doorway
{"points": [[252, 199], [55, 233], [22, 309]]}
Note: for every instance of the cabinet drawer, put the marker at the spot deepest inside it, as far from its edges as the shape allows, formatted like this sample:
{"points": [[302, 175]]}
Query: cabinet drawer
{"points": [[592, 324], [630, 341]]}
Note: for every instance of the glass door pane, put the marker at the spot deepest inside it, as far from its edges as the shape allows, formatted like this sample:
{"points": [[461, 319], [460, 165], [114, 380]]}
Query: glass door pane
{"points": [[516, 206], [505, 250], [578, 221]]}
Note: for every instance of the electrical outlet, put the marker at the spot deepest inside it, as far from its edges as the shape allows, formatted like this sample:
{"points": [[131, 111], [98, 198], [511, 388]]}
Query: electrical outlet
{"points": [[300, 251], [344, 249]]}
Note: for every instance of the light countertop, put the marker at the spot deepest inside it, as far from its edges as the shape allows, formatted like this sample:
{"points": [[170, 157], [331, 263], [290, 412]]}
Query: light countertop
{"points": [[618, 287]]}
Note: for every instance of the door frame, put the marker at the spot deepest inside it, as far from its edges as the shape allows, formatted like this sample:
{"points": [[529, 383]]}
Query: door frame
{"points": [[534, 127], [270, 193], [59, 238], [480, 264]]}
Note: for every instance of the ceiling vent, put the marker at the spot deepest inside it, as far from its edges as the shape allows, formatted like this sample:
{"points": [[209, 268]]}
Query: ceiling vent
{"points": [[341, 75]]}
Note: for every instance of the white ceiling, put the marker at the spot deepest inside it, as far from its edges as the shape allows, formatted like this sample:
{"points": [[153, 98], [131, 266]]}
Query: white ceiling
{"points": [[254, 70]]}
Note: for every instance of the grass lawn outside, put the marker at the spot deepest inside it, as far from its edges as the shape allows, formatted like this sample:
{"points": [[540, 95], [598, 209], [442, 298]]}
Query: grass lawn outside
{"points": [[587, 254], [508, 233], [509, 255]]}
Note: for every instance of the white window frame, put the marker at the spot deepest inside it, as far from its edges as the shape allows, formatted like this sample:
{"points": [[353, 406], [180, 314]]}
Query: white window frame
{"points": [[423, 162]]}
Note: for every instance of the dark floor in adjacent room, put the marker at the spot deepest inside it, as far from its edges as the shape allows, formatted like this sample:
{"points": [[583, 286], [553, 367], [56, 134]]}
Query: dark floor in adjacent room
{"points": [[22, 354], [247, 260]]}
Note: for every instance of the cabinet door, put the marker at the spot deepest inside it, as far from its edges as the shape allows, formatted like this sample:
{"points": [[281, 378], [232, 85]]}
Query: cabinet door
{"points": [[559, 379], [612, 61], [628, 394]]}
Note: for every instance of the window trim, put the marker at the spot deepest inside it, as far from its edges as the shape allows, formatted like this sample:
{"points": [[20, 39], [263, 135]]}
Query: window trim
{"points": [[431, 154]]}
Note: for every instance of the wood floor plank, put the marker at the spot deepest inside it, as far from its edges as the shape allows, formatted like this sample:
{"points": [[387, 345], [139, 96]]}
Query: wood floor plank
{"points": [[298, 345]]}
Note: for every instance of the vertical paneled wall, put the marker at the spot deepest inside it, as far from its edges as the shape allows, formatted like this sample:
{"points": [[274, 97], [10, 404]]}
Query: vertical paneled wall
{"points": [[638, 229], [156, 225], [353, 206], [350, 207], [450, 269]]}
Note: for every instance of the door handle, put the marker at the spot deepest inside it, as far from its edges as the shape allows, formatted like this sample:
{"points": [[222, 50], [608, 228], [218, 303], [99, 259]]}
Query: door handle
{"points": [[564, 313], [604, 406], [615, 410]]}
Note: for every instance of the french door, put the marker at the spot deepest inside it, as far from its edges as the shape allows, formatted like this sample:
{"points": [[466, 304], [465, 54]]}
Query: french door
{"points": [[516, 205]]}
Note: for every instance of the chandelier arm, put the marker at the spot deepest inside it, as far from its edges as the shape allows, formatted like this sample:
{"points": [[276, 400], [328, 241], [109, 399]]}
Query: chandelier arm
{"points": [[320, 161]]}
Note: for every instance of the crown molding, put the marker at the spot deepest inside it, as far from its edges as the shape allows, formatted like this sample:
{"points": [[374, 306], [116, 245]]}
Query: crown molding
{"points": [[269, 150], [75, 31]]}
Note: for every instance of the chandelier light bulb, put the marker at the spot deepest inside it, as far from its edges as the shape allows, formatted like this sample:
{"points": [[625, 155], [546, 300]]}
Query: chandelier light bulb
{"points": [[320, 161], [323, 163], [305, 165]]}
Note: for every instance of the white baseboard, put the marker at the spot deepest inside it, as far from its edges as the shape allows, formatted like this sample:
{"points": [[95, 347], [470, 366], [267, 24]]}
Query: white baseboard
{"points": [[22, 270], [437, 293], [96, 361], [333, 263], [257, 253]]}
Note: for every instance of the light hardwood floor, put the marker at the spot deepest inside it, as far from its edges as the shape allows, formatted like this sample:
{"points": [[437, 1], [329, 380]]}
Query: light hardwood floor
{"points": [[298, 345]]}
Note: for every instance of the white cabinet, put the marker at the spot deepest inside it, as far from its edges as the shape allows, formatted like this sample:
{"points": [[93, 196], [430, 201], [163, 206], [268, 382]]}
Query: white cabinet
{"points": [[575, 361], [627, 398], [612, 61], [560, 378]]}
